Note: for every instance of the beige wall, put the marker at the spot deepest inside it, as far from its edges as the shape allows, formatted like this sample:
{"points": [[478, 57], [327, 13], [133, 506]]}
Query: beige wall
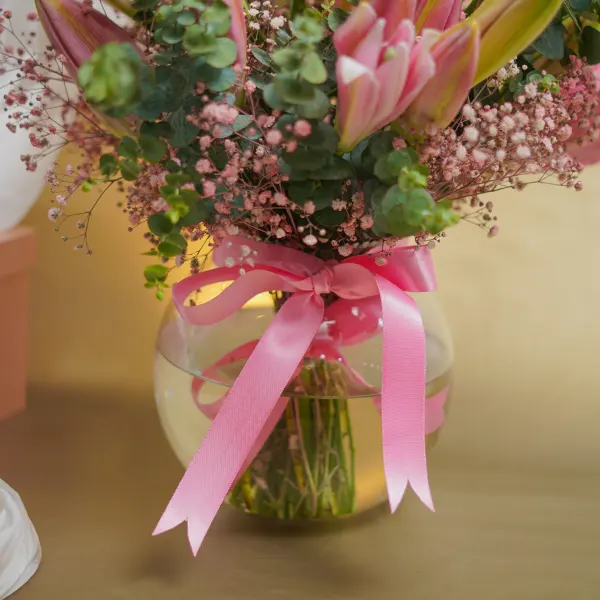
{"points": [[523, 308]]}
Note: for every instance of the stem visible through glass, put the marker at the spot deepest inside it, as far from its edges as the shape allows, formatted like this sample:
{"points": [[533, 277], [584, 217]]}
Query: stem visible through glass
{"points": [[306, 468]]}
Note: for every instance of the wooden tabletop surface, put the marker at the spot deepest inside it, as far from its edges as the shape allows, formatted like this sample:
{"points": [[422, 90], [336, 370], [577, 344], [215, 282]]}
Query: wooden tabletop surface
{"points": [[95, 473]]}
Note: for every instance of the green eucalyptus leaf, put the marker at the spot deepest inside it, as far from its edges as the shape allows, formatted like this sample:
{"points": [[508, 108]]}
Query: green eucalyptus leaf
{"points": [[307, 159], [158, 130], [260, 80], [172, 33], [307, 29], [184, 132], [323, 137], [287, 59], [419, 208], [153, 149], [156, 273], [590, 45], [129, 169], [162, 94], [336, 169], [224, 54], [217, 80], [301, 191], [186, 18], [199, 212], [241, 122], [273, 98], [326, 193], [330, 218], [144, 5], [283, 37], [551, 43], [262, 56], [198, 41], [159, 224], [337, 17], [128, 148], [172, 245], [294, 91], [218, 155], [108, 165], [218, 17], [580, 5], [317, 108], [313, 69]]}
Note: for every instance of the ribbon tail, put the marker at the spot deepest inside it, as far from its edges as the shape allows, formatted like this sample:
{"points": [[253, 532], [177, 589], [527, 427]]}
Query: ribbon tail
{"points": [[403, 395], [243, 416]]}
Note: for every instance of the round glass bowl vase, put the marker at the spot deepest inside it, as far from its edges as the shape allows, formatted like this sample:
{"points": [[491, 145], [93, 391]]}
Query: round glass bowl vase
{"points": [[323, 459]]}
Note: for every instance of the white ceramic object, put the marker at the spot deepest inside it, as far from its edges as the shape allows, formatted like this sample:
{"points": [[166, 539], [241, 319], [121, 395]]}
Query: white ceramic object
{"points": [[18, 189], [20, 551]]}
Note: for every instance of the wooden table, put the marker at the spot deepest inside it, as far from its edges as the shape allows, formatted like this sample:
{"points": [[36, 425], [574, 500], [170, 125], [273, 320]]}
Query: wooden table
{"points": [[95, 473]]}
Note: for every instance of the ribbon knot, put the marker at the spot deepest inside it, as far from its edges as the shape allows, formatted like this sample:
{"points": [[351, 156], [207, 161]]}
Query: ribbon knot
{"points": [[321, 282], [254, 404]]}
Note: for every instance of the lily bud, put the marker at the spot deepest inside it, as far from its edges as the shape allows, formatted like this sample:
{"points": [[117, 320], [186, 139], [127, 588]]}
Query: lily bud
{"points": [[76, 31], [455, 54], [438, 14], [507, 28]]}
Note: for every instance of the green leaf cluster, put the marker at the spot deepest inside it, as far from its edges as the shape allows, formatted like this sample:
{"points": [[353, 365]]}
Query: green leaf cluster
{"points": [[200, 29], [112, 78], [394, 189], [301, 72], [576, 30]]}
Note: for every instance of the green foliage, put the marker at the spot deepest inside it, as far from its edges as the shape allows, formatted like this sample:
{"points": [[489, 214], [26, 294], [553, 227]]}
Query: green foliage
{"points": [[551, 43], [336, 18], [152, 148], [108, 165], [111, 79], [301, 79], [590, 45]]}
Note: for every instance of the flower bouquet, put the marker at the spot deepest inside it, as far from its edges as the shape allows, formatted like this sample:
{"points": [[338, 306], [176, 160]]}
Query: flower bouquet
{"points": [[319, 151]]}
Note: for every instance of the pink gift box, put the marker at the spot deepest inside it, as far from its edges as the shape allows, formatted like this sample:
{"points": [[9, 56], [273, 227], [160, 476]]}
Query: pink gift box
{"points": [[17, 254]]}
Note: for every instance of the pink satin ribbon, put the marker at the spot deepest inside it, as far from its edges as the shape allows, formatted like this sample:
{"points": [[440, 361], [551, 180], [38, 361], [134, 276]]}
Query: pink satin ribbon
{"points": [[254, 404], [435, 414]]}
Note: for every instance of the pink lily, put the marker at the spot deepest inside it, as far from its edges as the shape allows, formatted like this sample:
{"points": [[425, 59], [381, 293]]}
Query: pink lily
{"points": [[381, 68], [76, 31], [438, 14], [584, 144], [456, 55], [238, 28], [427, 14]]}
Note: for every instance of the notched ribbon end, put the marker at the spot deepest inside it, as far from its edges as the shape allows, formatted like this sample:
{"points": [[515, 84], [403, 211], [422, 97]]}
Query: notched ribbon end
{"points": [[422, 490], [195, 531]]}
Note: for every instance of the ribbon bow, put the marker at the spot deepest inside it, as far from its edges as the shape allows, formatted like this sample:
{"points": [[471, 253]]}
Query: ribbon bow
{"points": [[253, 407]]}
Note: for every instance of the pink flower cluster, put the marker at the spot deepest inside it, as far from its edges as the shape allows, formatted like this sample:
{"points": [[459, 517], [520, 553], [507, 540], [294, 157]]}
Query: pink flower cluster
{"points": [[510, 145]]}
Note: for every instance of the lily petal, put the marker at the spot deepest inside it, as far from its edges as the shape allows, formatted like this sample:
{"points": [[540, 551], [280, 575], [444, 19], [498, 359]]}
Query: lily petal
{"points": [[368, 52], [439, 14], [353, 31], [76, 32], [238, 32], [456, 55], [392, 76], [422, 69], [394, 12], [357, 96], [507, 28]]}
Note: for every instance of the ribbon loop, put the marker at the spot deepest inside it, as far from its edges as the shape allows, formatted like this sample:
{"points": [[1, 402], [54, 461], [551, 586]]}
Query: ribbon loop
{"points": [[253, 405]]}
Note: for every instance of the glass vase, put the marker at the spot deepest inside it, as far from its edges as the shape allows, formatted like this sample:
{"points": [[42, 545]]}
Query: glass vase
{"points": [[323, 459]]}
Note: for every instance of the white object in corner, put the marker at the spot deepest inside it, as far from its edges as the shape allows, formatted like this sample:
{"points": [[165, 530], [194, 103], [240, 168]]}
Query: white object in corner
{"points": [[19, 189], [20, 551]]}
